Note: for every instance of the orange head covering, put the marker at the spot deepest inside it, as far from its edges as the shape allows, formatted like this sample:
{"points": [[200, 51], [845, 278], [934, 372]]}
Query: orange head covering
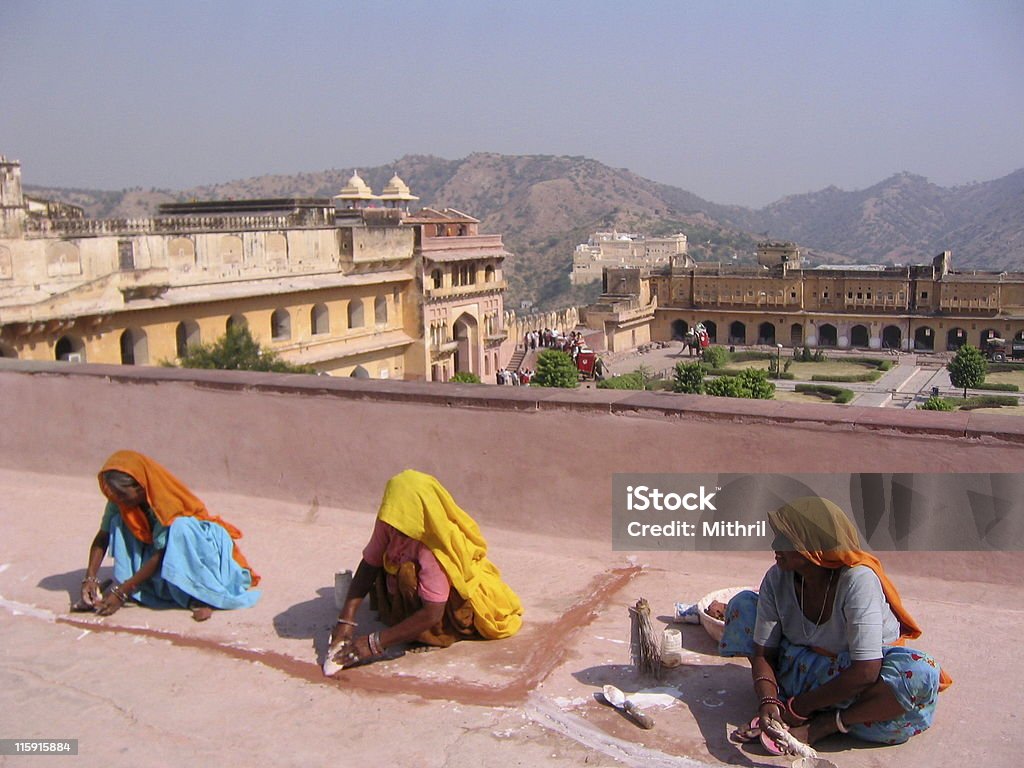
{"points": [[821, 532], [167, 497]]}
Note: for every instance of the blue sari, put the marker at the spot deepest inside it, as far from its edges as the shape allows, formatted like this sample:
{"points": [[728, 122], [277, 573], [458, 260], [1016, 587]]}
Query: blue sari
{"points": [[912, 676], [197, 565]]}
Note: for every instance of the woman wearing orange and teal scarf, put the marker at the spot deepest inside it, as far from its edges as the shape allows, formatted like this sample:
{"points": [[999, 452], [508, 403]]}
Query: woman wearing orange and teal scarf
{"points": [[825, 636], [167, 549], [427, 574]]}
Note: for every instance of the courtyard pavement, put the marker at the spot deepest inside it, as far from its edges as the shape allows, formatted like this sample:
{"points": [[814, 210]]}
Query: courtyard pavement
{"points": [[146, 687]]}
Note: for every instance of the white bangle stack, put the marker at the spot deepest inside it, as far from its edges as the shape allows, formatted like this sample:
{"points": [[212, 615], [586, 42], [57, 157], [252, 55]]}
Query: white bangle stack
{"points": [[840, 726]]}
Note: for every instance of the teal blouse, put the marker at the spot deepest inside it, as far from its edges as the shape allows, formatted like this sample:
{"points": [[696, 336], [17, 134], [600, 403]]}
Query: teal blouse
{"points": [[158, 528]]}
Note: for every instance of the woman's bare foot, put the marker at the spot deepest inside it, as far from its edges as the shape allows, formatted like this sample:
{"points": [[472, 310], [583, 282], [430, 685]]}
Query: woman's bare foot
{"points": [[200, 611], [817, 729]]}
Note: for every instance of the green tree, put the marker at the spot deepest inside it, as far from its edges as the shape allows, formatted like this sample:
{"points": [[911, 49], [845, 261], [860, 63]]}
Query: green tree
{"points": [[465, 377], [715, 357], [967, 368], [935, 404], [724, 386], [237, 350], [751, 383], [625, 381], [555, 369], [688, 378], [755, 385]]}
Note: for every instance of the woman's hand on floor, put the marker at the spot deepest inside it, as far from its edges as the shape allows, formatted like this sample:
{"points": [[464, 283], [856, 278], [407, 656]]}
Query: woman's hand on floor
{"points": [[352, 652], [109, 605], [341, 634], [91, 594]]}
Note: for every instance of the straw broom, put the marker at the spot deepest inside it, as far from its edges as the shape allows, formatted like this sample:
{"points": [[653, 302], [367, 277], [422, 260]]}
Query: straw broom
{"points": [[643, 643]]}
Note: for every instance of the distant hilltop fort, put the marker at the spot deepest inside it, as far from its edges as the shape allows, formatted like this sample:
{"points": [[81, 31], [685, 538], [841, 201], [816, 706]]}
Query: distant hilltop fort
{"points": [[618, 249]]}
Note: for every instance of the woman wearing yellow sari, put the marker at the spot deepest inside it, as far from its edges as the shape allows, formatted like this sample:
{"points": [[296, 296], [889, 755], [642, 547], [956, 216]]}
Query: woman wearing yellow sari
{"points": [[427, 574]]}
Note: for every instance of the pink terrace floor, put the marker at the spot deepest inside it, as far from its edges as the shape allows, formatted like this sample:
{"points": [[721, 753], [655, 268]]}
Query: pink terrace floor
{"points": [[151, 687]]}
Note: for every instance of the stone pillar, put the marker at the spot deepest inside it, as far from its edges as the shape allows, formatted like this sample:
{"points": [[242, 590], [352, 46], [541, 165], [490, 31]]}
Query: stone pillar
{"points": [[12, 202]]}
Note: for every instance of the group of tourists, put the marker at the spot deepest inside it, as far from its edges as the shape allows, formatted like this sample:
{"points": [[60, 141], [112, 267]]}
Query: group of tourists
{"points": [[553, 339], [547, 338], [825, 633], [506, 377]]}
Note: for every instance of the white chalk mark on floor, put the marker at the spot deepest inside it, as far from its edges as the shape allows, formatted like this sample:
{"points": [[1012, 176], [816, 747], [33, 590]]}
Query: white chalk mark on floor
{"points": [[23, 609]]}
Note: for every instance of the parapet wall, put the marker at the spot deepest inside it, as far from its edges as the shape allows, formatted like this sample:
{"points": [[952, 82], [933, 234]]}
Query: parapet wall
{"points": [[524, 457]]}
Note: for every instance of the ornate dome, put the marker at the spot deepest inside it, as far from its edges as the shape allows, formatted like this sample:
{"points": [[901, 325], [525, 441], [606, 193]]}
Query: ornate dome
{"points": [[356, 189], [397, 189]]}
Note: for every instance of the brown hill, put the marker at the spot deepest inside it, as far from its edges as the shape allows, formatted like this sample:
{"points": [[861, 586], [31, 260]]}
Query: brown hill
{"points": [[545, 205], [905, 219]]}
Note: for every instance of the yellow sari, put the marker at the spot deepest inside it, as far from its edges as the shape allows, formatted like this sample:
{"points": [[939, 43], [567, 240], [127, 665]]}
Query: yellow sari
{"points": [[418, 506]]}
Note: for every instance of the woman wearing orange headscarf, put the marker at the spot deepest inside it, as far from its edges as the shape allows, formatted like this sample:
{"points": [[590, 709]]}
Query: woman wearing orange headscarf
{"points": [[825, 636], [167, 549]]}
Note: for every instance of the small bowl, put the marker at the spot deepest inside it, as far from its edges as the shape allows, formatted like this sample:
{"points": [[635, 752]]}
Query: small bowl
{"points": [[716, 627]]}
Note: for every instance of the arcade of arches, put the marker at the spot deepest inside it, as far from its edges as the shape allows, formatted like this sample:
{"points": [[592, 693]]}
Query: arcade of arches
{"points": [[917, 335]]}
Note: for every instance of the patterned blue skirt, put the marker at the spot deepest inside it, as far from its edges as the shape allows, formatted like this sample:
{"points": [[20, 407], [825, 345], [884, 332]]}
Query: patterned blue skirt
{"points": [[913, 676]]}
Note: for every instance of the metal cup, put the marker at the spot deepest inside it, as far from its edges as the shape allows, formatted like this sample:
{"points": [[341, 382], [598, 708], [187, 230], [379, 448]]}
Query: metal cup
{"points": [[342, 581]]}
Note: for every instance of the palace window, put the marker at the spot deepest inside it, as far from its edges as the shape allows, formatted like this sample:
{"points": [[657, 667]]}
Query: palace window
{"points": [[280, 325], [355, 313], [319, 319], [186, 335], [125, 255]]}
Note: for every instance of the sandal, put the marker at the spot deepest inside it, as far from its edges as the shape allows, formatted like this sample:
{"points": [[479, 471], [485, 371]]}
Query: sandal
{"points": [[746, 735], [753, 733], [767, 741]]}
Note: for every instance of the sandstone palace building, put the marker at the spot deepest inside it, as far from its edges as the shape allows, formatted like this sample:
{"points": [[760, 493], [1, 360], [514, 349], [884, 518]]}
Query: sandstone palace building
{"points": [[927, 308], [354, 285]]}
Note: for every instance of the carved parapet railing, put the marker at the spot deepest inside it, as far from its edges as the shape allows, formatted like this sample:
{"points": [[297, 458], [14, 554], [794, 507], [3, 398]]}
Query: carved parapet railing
{"points": [[165, 224]]}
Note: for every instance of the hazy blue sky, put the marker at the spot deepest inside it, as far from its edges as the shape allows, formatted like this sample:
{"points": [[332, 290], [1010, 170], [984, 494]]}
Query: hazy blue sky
{"points": [[739, 102]]}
